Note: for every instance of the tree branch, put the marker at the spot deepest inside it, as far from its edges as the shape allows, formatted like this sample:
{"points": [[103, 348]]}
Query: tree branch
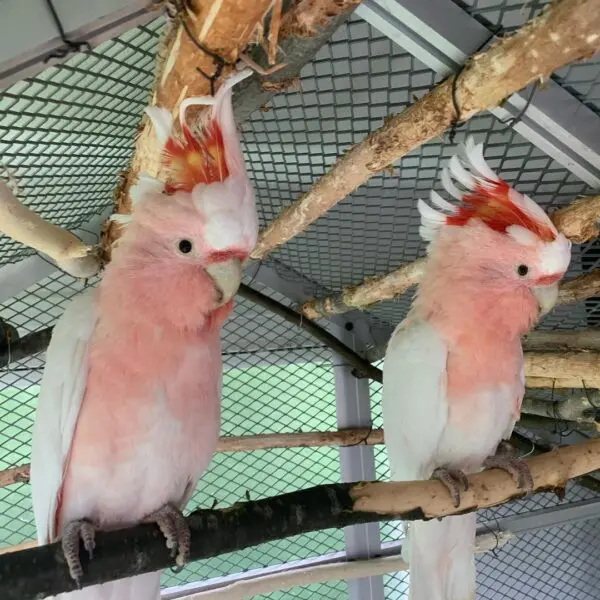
{"points": [[27, 227], [142, 549], [303, 31], [578, 222], [531, 54]]}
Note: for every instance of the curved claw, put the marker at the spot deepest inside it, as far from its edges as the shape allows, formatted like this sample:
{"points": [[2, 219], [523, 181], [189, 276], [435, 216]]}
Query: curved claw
{"points": [[73, 533], [174, 527], [453, 479], [516, 467]]}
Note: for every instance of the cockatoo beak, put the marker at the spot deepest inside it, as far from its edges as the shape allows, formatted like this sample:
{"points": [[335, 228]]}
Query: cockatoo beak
{"points": [[227, 276], [546, 296]]}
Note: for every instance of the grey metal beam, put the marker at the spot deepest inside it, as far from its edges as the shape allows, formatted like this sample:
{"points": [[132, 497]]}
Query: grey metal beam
{"points": [[353, 409], [28, 33], [367, 332], [442, 36]]}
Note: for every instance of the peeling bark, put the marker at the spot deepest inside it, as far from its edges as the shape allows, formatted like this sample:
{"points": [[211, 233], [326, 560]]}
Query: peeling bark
{"points": [[580, 220]]}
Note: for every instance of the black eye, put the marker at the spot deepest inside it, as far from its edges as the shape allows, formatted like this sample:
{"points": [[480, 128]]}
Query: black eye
{"points": [[185, 246], [522, 270]]}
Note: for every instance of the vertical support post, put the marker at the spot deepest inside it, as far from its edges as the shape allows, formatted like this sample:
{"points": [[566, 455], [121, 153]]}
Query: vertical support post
{"points": [[357, 463]]}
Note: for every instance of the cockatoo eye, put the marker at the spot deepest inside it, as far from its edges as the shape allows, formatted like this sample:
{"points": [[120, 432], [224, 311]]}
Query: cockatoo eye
{"points": [[185, 246], [522, 270]]}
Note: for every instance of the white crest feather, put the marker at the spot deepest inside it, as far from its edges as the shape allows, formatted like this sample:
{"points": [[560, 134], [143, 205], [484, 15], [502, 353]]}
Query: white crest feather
{"points": [[464, 172], [442, 204], [231, 81], [163, 122]]}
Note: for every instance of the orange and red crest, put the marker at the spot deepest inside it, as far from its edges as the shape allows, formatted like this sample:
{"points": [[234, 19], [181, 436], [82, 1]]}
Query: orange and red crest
{"points": [[191, 160], [492, 204]]}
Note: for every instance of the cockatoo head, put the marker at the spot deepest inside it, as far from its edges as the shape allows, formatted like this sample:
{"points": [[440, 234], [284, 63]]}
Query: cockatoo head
{"points": [[188, 237], [494, 241]]}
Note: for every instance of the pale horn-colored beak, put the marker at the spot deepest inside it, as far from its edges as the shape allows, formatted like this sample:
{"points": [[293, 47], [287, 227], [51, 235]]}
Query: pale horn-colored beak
{"points": [[546, 297], [227, 276]]}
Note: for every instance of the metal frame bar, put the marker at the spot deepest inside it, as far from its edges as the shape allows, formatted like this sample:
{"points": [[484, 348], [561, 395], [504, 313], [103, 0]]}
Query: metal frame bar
{"points": [[442, 36], [28, 33], [365, 332], [353, 409]]}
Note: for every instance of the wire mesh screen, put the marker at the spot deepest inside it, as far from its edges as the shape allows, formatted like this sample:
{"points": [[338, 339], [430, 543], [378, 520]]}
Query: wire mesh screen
{"points": [[66, 133]]}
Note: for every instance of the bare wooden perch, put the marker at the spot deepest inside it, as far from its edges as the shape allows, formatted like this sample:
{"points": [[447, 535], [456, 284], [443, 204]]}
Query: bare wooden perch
{"points": [[532, 53], [579, 408], [27, 227], [394, 284], [142, 549], [578, 221]]}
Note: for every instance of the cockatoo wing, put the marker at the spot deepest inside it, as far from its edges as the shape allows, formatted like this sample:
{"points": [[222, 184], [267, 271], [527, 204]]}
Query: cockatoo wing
{"points": [[61, 394], [415, 410]]}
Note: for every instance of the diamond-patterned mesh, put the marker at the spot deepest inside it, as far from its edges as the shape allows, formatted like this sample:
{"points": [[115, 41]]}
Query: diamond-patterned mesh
{"points": [[68, 132]]}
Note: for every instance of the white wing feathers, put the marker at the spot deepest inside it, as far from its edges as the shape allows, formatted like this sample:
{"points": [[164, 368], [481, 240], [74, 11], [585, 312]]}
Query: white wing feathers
{"points": [[415, 410], [62, 390]]}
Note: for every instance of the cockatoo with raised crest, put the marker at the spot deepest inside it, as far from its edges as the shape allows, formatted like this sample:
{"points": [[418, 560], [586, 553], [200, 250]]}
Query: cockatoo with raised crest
{"points": [[128, 413], [453, 378]]}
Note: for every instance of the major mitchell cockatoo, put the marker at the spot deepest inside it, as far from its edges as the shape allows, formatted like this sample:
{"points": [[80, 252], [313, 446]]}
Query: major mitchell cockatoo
{"points": [[128, 413], [453, 377]]}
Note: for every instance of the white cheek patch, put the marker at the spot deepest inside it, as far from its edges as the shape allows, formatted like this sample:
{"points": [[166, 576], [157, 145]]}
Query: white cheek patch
{"points": [[555, 256], [230, 218]]}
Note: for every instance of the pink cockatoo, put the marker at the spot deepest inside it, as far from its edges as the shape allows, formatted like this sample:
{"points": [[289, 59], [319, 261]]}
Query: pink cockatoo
{"points": [[128, 413], [453, 378]]}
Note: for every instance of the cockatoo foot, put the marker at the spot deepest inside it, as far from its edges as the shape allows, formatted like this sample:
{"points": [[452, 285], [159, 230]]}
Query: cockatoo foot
{"points": [[517, 468], [454, 480], [174, 527], [74, 532]]}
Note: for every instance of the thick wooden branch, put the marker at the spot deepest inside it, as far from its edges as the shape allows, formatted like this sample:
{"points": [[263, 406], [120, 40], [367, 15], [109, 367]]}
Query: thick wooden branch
{"points": [[580, 288], [27, 227], [572, 339], [532, 53], [142, 549], [394, 284], [580, 220]]}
